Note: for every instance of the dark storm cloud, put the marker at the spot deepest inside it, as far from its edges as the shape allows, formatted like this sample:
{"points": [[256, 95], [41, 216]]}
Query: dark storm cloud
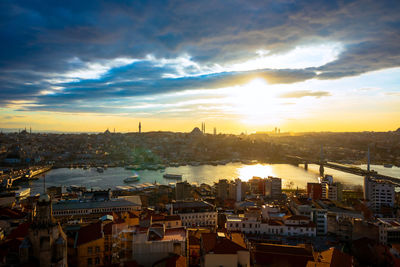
{"points": [[40, 39]]}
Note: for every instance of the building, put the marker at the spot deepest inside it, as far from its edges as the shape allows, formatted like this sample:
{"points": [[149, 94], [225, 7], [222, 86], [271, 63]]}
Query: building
{"points": [[84, 208], [334, 191], [195, 213], [295, 225], [223, 189], [331, 257], [325, 182], [389, 230], [240, 190], [155, 243], [314, 190], [183, 191], [379, 193], [273, 187], [317, 213], [46, 243], [217, 250]]}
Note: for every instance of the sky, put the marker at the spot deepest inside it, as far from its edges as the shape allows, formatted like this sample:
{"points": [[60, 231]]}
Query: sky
{"points": [[239, 66]]}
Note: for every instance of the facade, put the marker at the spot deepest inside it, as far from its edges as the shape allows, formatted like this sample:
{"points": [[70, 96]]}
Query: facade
{"points": [[295, 225], [155, 243], [325, 182], [379, 193], [46, 243], [273, 187], [195, 213], [311, 209], [217, 250], [314, 190], [334, 191], [183, 191], [69, 208], [389, 230]]}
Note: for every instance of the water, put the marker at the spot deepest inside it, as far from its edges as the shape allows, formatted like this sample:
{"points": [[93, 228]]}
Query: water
{"points": [[209, 174]]}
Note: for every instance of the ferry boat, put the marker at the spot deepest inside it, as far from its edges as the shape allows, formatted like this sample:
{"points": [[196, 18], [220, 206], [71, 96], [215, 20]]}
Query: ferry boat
{"points": [[132, 179], [172, 176]]}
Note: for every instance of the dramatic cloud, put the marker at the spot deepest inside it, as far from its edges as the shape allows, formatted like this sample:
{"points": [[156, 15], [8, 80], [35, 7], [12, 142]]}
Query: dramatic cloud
{"points": [[89, 55]]}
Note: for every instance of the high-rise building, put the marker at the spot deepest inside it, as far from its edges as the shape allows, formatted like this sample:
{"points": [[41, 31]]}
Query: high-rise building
{"points": [[223, 189], [379, 193], [273, 187], [334, 191], [325, 182]]}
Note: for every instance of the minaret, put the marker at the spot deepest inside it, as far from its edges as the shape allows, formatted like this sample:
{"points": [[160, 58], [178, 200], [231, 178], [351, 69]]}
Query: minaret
{"points": [[215, 131], [140, 127], [204, 129], [368, 160], [30, 130]]}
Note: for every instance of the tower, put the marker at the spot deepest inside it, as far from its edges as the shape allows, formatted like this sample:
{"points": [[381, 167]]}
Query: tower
{"points": [[215, 131], [368, 160], [140, 127], [46, 241]]}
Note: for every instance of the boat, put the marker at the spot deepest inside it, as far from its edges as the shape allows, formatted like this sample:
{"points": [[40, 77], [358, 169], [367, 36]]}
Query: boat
{"points": [[132, 179], [100, 169], [172, 176], [388, 165]]}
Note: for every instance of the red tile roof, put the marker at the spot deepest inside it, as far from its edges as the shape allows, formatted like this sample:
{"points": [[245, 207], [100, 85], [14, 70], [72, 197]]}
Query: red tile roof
{"points": [[219, 245], [89, 233]]}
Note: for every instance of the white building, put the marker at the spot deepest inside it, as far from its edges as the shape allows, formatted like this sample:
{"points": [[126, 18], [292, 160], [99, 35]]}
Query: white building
{"points": [[311, 209], [295, 225], [156, 242], [379, 193], [334, 191], [195, 213], [273, 187]]}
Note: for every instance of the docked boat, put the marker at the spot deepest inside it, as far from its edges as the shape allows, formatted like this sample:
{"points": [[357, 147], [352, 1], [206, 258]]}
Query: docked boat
{"points": [[388, 165], [100, 169], [172, 176]]}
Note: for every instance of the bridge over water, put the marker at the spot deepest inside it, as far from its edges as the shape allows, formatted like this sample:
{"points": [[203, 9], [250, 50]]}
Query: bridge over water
{"points": [[341, 167]]}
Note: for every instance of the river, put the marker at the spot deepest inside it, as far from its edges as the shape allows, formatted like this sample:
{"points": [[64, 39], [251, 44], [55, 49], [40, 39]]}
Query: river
{"points": [[209, 174]]}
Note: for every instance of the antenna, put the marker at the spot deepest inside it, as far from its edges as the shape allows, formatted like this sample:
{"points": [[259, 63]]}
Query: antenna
{"points": [[368, 160]]}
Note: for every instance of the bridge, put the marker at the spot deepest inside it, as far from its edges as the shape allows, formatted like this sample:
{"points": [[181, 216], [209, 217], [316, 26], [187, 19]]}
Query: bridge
{"points": [[341, 167], [7, 180]]}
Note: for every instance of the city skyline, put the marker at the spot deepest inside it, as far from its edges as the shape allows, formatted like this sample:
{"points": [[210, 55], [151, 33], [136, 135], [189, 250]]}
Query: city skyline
{"points": [[301, 67]]}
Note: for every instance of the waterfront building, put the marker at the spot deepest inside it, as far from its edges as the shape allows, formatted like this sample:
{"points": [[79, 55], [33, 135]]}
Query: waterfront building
{"points": [[325, 182], [84, 208], [195, 213]]}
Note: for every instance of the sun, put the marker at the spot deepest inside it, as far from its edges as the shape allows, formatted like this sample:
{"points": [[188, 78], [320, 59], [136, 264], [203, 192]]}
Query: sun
{"points": [[256, 103]]}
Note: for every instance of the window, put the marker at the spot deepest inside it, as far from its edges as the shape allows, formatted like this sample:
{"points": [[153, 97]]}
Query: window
{"points": [[90, 250], [97, 260], [97, 249], [89, 262]]}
